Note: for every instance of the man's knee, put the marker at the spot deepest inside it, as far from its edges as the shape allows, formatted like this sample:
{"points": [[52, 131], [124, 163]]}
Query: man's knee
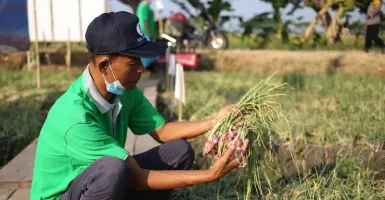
{"points": [[114, 170], [185, 153], [106, 178]]}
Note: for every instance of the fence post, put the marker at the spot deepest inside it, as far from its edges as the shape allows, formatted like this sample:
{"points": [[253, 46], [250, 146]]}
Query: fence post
{"points": [[36, 47]]}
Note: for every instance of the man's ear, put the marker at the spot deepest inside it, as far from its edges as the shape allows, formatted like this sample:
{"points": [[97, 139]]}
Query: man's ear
{"points": [[103, 64]]}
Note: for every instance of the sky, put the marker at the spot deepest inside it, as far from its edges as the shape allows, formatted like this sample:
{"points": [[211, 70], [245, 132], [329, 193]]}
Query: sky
{"points": [[244, 8]]}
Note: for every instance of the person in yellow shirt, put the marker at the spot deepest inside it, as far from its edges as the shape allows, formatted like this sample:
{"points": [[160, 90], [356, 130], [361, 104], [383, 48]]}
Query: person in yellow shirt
{"points": [[373, 21]]}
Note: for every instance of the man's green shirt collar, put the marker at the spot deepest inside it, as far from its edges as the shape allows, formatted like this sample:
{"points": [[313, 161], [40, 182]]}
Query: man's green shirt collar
{"points": [[100, 102]]}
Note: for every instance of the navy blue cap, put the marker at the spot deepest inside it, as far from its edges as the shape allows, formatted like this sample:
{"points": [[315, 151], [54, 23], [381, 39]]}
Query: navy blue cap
{"points": [[120, 32]]}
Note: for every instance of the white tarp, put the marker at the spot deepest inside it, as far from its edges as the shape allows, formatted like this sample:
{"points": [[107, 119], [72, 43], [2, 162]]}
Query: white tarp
{"points": [[65, 15]]}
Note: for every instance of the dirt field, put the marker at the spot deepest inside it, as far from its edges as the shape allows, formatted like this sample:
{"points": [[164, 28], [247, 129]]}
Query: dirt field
{"points": [[308, 62], [262, 61]]}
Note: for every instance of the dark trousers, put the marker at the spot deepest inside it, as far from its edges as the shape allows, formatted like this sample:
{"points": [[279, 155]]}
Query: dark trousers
{"points": [[108, 177], [372, 32]]}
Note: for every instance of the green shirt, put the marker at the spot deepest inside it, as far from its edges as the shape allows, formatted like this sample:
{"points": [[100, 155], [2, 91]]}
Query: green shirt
{"points": [[82, 127], [145, 13]]}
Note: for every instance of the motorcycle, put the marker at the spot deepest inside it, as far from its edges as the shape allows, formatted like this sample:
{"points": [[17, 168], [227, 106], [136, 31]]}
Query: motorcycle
{"points": [[190, 35]]}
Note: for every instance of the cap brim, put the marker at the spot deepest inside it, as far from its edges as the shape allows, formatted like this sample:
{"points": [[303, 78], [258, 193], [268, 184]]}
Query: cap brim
{"points": [[147, 50]]}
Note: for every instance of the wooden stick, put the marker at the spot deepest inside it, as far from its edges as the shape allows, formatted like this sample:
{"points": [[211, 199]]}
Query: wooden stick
{"points": [[29, 60], [80, 20], [36, 47], [167, 57], [172, 86], [52, 24], [160, 23], [68, 56], [106, 6], [180, 95]]}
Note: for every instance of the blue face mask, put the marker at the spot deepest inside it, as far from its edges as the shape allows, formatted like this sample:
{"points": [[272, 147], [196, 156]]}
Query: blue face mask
{"points": [[115, 87]]}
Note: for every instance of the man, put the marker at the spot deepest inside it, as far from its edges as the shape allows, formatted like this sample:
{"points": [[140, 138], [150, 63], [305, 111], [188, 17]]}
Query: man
{"points": [[147, 22], [146, 19], [373, 21], [80, 152]]}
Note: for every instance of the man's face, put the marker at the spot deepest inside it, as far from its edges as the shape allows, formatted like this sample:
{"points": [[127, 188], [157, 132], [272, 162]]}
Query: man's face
{"points": [[127, 70]]}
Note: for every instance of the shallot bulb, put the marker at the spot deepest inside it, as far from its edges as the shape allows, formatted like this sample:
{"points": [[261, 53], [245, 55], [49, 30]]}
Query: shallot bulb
{"points": [[215, 139], [208, 146], [229, 136], [238, 142]]}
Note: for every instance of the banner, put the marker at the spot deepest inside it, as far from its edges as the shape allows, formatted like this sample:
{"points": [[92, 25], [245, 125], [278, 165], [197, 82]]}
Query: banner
{"points": [[14, 34], [63, 20]]}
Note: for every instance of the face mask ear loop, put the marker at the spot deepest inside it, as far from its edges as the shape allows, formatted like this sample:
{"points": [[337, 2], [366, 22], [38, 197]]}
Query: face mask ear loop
{"points": [[111, 68]]}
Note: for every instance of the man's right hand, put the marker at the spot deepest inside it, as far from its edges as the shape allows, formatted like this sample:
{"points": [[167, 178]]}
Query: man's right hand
{"points": [[144, 179], [224, 165]]}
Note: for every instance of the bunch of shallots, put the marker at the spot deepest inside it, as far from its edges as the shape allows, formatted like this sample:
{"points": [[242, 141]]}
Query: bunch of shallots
{"points": [[258, 109], [218, 142]]}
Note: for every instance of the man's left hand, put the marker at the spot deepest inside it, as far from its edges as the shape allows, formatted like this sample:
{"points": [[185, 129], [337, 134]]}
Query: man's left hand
{"points": [[224, 111]]}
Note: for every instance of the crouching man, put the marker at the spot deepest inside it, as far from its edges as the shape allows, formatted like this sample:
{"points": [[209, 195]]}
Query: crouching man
{"points": [[80, 152]]}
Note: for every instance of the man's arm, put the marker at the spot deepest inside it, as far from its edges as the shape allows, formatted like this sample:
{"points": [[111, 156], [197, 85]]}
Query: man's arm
{"points": [[145, 17], [147, 27], [182, 130], [144, 179], [188, 130]]}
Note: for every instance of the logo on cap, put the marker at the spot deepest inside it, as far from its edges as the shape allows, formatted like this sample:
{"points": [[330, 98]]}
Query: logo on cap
{"points": [[139, 29]]}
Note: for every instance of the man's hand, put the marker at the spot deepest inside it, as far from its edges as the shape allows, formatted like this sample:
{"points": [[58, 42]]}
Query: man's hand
{"points": [[144, 179], [187, 130], [222, 166], [224, 111]]}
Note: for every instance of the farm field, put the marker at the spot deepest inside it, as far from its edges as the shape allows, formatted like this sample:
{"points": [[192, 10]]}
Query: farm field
{"points": [[334, 148]]}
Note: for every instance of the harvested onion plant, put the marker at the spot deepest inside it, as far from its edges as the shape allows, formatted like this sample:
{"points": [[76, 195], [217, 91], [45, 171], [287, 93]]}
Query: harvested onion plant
{"points": [[259, 115]]}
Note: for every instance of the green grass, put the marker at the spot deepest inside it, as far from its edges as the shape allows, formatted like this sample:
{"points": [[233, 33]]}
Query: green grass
{"points": [[324, 111], [332, 111], [23, 108], [257, 42]]}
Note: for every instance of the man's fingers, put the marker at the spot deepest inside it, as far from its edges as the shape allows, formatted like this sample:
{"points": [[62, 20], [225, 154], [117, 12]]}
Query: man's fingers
{"points": [[229, 152], [234, 109], [236, 162], [245, 144], [236, 125], [239, 124]]}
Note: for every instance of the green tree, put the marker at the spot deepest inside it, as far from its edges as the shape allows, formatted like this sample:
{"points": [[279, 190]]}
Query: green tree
{"points": [[277, 6], [213, 8], [331, 25], [132, 3], [268, 24]]}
